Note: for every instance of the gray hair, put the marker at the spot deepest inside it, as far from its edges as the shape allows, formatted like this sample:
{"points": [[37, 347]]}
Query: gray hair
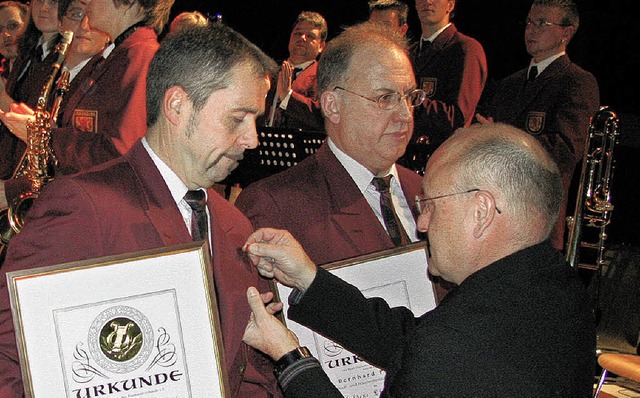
{"points": [[528, 179], [201, 61], [335, 60]]}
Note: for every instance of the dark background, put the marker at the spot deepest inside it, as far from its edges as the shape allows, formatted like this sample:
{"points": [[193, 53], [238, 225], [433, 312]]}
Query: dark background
{"points": [[606, 44]]}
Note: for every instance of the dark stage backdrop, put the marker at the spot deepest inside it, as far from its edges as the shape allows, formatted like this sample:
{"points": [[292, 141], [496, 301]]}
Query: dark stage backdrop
{"points": [[607, 43]]}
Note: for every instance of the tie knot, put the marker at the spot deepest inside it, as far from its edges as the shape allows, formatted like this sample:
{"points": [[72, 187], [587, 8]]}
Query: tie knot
{"points": [[196, 199], [382, 184]]}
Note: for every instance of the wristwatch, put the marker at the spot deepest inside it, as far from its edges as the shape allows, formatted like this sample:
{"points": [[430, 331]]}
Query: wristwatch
{"points": [[290, 358]]}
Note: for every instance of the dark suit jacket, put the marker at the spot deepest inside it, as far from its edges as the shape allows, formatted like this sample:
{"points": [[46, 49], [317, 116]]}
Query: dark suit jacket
{"points": [[556, 108], [318, 202], [124, 206], [521, 327], [303, 111], [453, 72]]}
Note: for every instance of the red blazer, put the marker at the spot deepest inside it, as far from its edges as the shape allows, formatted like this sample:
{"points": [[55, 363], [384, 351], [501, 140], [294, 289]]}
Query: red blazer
{"points": [[556, 108], [125, 206], [318, 202], [105, 115], [453, 73], [303, 111]]}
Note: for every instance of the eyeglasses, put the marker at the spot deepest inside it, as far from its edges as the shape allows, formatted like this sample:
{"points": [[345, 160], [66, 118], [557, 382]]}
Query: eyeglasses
{"points": [[542, 24], [426, 204], [75, 14], [390, 101]]}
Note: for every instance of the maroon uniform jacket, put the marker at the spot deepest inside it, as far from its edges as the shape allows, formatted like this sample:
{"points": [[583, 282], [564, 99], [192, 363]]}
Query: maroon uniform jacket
{"points": [[453, 72], [318, 202], [303, 111], [124, 206], [106, 114], [556, 108]]}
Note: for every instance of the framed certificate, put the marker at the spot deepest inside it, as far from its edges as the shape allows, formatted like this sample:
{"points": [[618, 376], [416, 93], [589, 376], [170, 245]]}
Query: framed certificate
{"points": [[141, 324], [400, 277]]}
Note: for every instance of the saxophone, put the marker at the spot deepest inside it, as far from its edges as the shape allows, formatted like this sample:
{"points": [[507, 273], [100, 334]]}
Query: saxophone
{"points": [[38, 159]]}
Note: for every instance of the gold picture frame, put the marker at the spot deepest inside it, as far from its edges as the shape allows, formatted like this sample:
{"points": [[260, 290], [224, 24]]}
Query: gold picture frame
{"points": [[144, 322], [399, 276]]}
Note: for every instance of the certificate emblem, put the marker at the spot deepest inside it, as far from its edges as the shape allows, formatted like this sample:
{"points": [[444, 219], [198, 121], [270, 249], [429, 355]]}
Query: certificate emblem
{"points": [[120, 339]]}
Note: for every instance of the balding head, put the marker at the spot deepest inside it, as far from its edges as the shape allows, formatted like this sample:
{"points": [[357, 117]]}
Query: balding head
{"points": [[515, 166], [491, 190]]}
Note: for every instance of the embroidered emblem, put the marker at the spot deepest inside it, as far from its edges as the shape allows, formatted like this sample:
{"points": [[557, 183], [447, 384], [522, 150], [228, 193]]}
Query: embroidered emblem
{"points": [[429, 85], [535, 122], [85, 120]]}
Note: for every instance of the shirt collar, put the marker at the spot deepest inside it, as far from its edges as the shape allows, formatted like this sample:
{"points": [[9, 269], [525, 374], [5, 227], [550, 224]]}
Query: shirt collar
{"points": [[360, 174], [542, 65], [177, 188]]}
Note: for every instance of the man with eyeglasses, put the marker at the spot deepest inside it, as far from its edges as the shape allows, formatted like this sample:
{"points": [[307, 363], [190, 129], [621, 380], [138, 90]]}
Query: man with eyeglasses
{"points": [[518, 323], [552, 99], [329, 201]]}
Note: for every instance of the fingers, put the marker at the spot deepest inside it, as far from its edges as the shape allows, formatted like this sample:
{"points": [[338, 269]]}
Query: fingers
{"points": [[255, 303], [258, 304], [21, 108]]}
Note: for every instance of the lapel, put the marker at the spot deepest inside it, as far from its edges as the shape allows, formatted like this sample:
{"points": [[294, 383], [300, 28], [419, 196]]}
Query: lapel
{"points": [[424, 59], [98, 66], [350, 211], [306, 79], [531, 91], [156, 199]]}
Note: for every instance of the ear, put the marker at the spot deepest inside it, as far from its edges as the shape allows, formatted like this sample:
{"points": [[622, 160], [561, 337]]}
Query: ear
{"points": [[484, 212], [330, 105], [568, 33], [175, 104], [403, 29], [321, 49]]}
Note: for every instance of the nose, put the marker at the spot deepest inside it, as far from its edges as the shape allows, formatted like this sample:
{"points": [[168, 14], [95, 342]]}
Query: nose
{"points": [[423, 221], [84, 23], [249, 140], [405, 110]]}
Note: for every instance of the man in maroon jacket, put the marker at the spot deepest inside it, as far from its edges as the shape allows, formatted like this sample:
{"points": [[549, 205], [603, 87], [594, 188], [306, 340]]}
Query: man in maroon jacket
{"points": [[452, 68], [205, 89]]}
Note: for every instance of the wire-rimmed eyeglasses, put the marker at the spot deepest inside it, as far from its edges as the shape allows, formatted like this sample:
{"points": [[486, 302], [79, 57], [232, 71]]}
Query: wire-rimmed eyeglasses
{"points": [[541, 23], [390, 101], [426, 204]]}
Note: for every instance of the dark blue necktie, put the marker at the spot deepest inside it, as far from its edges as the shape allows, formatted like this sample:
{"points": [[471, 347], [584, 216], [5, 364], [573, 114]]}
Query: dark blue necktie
{"points": [[394, 227], [198, 203]]}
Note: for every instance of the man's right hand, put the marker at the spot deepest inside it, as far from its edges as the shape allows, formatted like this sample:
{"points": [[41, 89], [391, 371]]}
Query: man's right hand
{"points": [[276, 254], [285, 78]]}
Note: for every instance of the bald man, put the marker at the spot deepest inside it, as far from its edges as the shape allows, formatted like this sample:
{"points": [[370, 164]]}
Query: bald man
{"points": [[517, 324]]}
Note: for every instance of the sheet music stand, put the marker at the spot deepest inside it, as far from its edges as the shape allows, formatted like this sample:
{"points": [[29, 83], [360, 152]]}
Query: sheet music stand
{"points": [[279, 149]]}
